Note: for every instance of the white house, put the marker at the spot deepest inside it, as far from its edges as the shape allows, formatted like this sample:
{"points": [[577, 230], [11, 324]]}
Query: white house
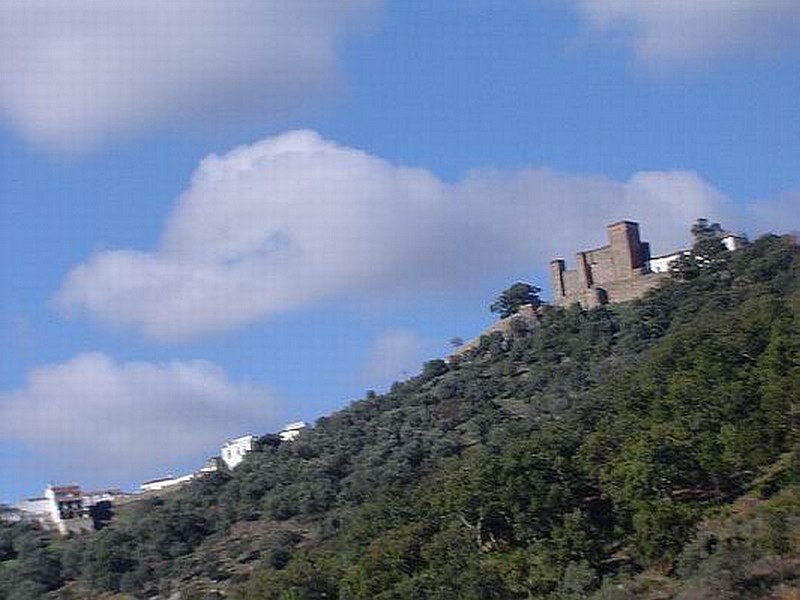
{"points": [[213, 464], [65, 502], [165, 482], [733, 241], [662, 264], [10, 514], [62, 508], [291, 430], [34, 509], [233, 451], [98, 496]]}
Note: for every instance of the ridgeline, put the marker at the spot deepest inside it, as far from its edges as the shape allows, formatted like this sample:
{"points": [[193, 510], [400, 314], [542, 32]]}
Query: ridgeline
{"points": [[646, 450]]}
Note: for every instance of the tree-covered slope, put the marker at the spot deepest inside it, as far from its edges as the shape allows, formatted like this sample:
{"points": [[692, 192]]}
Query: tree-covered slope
{"points": [[624, 452]]}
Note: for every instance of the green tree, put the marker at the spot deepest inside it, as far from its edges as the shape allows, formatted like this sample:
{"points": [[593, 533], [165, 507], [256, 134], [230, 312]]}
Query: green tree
{"points": [[708, 253], [591, 445], [512, 299]]}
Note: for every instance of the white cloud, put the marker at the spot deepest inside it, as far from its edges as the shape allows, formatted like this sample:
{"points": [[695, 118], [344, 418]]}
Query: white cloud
{"points": [[691, 33], [296, 220], [780, 214], [395, 355], [135, 418], [73, 74]]}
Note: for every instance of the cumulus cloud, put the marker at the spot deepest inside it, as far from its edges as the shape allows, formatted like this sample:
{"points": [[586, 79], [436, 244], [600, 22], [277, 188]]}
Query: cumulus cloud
{"points": [[73, 74], [691, 33], [136, 417], [295, 220], [780, 214], [393, 356]]}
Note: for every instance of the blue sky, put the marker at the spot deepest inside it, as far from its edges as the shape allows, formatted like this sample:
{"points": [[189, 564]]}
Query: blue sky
{"points": [[379, 172]]}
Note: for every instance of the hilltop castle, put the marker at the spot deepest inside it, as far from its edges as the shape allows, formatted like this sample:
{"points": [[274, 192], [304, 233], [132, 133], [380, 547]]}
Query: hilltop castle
{"points": [[619, 272]]}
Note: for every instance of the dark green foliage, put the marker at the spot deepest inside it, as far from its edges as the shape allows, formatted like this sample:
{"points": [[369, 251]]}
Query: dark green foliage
{"points": [[744, 555], [708, 255], [666, 409], [101, 514], [549, 462], [512, 299], [29, 567]]}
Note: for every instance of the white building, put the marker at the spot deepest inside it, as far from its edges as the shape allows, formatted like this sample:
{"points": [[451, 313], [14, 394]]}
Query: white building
{"points": [[34, 509], [662, 264], [290, 431], [165, 482], [10, 514], [64, 502], [212, 465], [233, 451], [98, 496], [733, 241], [61, 508]]}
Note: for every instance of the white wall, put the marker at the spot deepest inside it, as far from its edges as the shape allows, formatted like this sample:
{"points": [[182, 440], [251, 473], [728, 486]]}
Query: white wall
{"points": [[234, 451], [160, 484]]}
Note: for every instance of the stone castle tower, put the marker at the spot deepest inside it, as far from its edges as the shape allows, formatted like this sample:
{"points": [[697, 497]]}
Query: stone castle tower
{"points": [[618, 272]]}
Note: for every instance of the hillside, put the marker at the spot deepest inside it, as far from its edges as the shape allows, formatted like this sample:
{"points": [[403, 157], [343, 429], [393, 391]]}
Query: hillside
{"points": [[645, 450]]}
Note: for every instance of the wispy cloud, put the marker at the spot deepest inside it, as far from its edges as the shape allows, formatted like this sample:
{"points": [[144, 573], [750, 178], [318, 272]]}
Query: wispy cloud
{"points": [[395, 355], [680, 34], [75, 74]]}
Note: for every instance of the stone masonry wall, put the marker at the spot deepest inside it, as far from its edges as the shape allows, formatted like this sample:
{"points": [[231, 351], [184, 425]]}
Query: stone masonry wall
{"points": [[614, 273]]}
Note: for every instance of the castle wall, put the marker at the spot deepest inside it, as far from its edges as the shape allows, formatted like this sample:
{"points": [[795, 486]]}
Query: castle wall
{"points": [[571, 283], [614, 273], [627, 250], [601, 264], [632, 288]]}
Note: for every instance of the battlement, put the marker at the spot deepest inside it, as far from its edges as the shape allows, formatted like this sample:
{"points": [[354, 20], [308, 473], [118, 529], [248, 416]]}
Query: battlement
{"points": [[617, 272]]}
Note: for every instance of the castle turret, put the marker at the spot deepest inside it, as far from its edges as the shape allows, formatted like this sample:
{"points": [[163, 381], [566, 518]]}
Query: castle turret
{"points": [[557, 268], [614, 273], [626, 248]]}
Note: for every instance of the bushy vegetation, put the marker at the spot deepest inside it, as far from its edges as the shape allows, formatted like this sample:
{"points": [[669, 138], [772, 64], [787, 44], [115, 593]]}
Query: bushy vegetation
{"points": [[515, 297], [574, 456], [29, 566]]}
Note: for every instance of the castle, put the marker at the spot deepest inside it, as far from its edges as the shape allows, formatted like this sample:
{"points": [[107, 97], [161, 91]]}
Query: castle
{"points": [[619, 272]]}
